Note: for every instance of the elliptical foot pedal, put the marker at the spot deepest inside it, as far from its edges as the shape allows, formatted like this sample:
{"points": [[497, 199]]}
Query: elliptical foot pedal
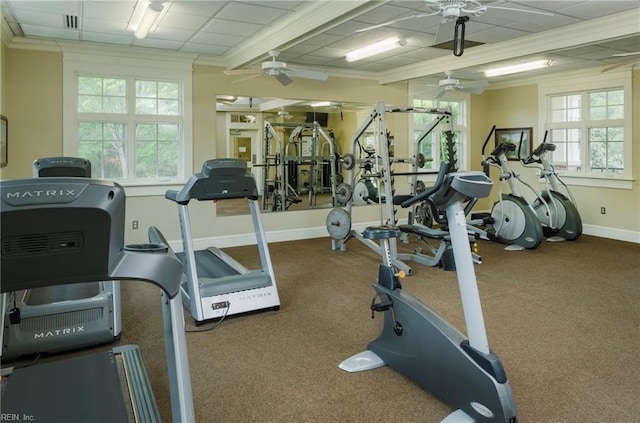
{"points": [[458, 416], [366, 360]]}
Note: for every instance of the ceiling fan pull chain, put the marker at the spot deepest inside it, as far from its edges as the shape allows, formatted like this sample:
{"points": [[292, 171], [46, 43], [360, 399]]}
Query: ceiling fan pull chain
{"points": [[458, 36]]}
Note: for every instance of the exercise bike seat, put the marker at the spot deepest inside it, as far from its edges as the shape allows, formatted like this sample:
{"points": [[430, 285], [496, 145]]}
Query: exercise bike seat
{"points": [[381, 232]]}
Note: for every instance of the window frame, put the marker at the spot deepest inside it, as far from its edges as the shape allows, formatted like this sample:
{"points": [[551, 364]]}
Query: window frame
{"points": [[77, 64], [583, 84]]}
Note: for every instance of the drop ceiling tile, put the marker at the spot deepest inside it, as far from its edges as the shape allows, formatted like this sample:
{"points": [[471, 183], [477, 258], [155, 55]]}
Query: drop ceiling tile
{"points": [[54, 20], [181, 35], [251, 13], [215, 50], [183, 21], [57, 7], [216, 39], [48, 32], [222, 26], [99, 37], [105, 10], [105, 26]]}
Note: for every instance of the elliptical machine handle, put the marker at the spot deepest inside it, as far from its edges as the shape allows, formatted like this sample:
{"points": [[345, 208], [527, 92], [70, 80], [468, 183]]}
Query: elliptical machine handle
{"points": [[444, 168], [485, 163]]}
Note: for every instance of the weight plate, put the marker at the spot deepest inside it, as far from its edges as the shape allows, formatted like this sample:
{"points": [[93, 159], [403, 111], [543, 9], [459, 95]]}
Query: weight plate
{"points": [[344, 193], [348, 161], [420, 187], [338, 223]]}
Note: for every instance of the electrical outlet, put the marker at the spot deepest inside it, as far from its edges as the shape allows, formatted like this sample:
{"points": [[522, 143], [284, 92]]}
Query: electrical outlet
{"points": [[134, 224], [603, 210]]}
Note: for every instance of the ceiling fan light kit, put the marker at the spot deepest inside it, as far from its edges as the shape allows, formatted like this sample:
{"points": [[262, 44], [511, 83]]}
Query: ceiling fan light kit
{"points": [[520, 67], [375, 48]]}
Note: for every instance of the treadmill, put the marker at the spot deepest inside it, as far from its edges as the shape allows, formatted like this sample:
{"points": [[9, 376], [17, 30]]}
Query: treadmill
{"points": [[215, 285], [64, 231], [64, 317]]}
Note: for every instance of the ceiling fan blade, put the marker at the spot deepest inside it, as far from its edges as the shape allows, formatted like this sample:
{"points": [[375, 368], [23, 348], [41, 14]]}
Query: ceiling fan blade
{"points": [[621, 64], [391, 22], [445, 32], [283, 78], [519, 15], [472, 90], [308, 74], [247, 78], [235, 72], [441, 94], [474, 84]]}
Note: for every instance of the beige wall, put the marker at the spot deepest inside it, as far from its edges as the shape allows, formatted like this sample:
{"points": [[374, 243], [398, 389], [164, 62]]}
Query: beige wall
{"points": [[32, 99]]}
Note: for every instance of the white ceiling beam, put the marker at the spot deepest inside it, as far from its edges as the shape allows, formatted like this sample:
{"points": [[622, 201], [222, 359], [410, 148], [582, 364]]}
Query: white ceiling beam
{"points": [[588, 32], [316, 18]]}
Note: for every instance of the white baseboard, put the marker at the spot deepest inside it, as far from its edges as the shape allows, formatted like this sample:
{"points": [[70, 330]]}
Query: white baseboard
{"points": [[611, 233], [320, 232]]}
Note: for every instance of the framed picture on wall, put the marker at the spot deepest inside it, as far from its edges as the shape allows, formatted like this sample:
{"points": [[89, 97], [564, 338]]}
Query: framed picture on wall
{"points": [[513, 136], [4, 140]]}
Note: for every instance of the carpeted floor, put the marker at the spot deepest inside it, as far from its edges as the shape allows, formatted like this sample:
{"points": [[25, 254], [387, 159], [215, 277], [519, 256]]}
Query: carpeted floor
{"points": [[564, 319]]}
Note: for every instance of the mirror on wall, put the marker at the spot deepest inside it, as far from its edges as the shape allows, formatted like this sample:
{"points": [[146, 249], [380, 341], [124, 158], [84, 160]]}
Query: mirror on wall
{"points": [[293, 148]]}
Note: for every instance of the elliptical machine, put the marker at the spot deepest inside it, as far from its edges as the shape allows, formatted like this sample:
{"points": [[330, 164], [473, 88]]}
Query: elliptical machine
{"points": [[552, 205], [424, 346], [512, 220]]}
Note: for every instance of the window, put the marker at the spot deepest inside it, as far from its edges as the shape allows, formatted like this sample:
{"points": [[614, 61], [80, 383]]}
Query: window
{"points": [[133, 125], [595, 117], [435, 146], [589, 122]]}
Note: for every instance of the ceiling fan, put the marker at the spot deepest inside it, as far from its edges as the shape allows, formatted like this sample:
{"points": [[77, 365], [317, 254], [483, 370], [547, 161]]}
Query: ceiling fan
{"points": [[635, 58], [283, 114], [277, 70], [456, 13], [450, 84]]}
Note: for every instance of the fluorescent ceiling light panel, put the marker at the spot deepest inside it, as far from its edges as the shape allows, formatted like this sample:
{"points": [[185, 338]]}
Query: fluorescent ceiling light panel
{"points": [[375, 48], [521, 67], [321, 104], [149, 17]]}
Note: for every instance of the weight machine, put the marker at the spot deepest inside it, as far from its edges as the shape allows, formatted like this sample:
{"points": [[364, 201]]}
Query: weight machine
{"points": [[339, 218], [303, 157]]}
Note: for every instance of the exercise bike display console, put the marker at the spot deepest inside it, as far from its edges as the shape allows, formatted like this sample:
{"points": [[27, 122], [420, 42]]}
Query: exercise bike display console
{"points": [[421, 344], [215, 284]]}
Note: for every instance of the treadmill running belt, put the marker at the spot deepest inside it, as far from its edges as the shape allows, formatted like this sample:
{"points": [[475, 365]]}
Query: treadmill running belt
{"points": [[54, 294], [82, 389], [209, 265]]}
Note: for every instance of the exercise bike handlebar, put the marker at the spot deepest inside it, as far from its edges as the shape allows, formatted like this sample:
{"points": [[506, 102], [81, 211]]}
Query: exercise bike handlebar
{"points": [[444, 168]]}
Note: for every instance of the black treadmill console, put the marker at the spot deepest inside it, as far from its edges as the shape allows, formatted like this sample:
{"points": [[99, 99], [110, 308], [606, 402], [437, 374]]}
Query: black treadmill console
{"points": [[62, 166], [220, 179]]}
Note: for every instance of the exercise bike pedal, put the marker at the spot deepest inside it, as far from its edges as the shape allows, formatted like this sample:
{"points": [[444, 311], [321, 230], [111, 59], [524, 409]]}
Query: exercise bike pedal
{"points": [[381, 306]]}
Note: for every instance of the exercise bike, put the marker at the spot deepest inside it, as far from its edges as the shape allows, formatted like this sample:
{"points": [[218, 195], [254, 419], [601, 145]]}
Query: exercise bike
{"points": [[512, 220], [552, 205], [424, 346]]}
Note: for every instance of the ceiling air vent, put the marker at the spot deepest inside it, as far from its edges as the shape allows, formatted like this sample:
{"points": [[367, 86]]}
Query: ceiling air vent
{"points": [[70, 21]]}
